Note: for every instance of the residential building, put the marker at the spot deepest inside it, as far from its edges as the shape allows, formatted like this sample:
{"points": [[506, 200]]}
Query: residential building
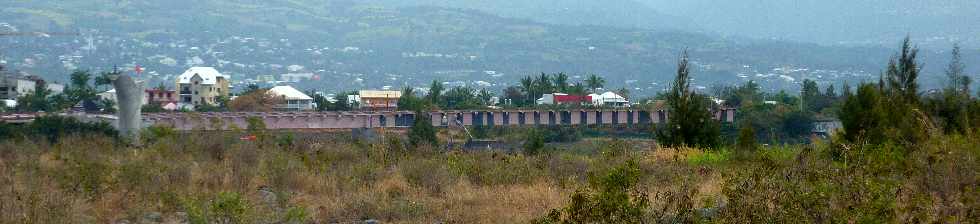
{"points": [[107, 95], [160, 97], [378, 99], [826, 127], [201, 85], [13, 86], [293, 100], [147, 98]]}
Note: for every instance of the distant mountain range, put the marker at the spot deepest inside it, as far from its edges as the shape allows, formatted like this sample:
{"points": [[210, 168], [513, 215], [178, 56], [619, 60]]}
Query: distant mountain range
{"points": [[934, 24], [374, 43]]}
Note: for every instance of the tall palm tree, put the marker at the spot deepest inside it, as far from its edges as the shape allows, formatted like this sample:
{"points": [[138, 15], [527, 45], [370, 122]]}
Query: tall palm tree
{"points": [[527, 83], [435, 92], [594, 82], [560, 82], [577, 89], [544, 84]]}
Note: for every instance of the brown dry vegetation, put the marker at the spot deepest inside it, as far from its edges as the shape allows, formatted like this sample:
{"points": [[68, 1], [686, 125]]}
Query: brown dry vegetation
{"points": [[217, 178]]}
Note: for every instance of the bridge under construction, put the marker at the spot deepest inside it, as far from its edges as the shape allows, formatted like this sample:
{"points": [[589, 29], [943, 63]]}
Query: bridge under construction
{"points": [[401, 119]]}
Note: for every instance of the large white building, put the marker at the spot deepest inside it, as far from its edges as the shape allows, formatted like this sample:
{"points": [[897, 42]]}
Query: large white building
{"points": [[13, 86], [292, 99], [202, 85], [610, 99]]}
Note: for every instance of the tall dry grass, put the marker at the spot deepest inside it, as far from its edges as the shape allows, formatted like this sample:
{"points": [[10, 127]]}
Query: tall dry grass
{"points": [[216, 177]]}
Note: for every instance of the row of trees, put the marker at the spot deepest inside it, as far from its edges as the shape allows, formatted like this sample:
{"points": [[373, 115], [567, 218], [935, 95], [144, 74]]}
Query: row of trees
{"points": [[81, 90], [894, 110], [532, 87], [891, 110], [456, 98]]}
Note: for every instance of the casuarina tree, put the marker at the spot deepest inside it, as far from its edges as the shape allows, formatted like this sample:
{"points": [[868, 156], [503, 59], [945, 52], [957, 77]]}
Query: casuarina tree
{"points": [[690, 122]]}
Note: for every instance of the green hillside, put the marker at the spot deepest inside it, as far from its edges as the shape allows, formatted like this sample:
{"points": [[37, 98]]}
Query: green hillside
{"points": [[469, 40]]}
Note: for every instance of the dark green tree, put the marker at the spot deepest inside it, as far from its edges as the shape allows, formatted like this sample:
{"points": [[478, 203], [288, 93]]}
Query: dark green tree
{"points": [[560, 82], [527, 84], [534, 142], [486, 97], [810, 96], [422, 131], [320, 102], [746, 139], [250, 88], [907, 124], [514, 96], [81, 90], [951, 106], [863, 116], [435, 93], [41, 99], [902, 74], [462, 98], [544, 85], [104, 80], [955, 73], [340, 102], [798, 124], [108, 106], [594, 82], [578, 89], [410, 101], [690, 121]]}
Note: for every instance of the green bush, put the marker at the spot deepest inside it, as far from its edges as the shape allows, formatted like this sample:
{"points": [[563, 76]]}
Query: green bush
{"points": [[422, 132], [86, 176], [533, 142], [614, 197], [52, 128], [296, 215], [229, 207], [746, 139]]}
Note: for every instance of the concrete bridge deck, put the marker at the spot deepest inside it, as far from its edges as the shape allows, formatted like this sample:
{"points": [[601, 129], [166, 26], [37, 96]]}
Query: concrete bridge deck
{"points": [[392, 119]]}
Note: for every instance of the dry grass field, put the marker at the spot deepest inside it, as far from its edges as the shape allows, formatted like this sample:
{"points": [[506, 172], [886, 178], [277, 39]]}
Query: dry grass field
{"points": [[218, 178]]}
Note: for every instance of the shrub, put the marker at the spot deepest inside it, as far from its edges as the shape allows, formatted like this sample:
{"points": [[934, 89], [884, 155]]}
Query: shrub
{"points": [[429, 174], [422, 132], [296, 215], [746, 139], [229, 207], [86, 176], [53, 128], [533, 142], [157, 132], [614, 197], [863, 116]]}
